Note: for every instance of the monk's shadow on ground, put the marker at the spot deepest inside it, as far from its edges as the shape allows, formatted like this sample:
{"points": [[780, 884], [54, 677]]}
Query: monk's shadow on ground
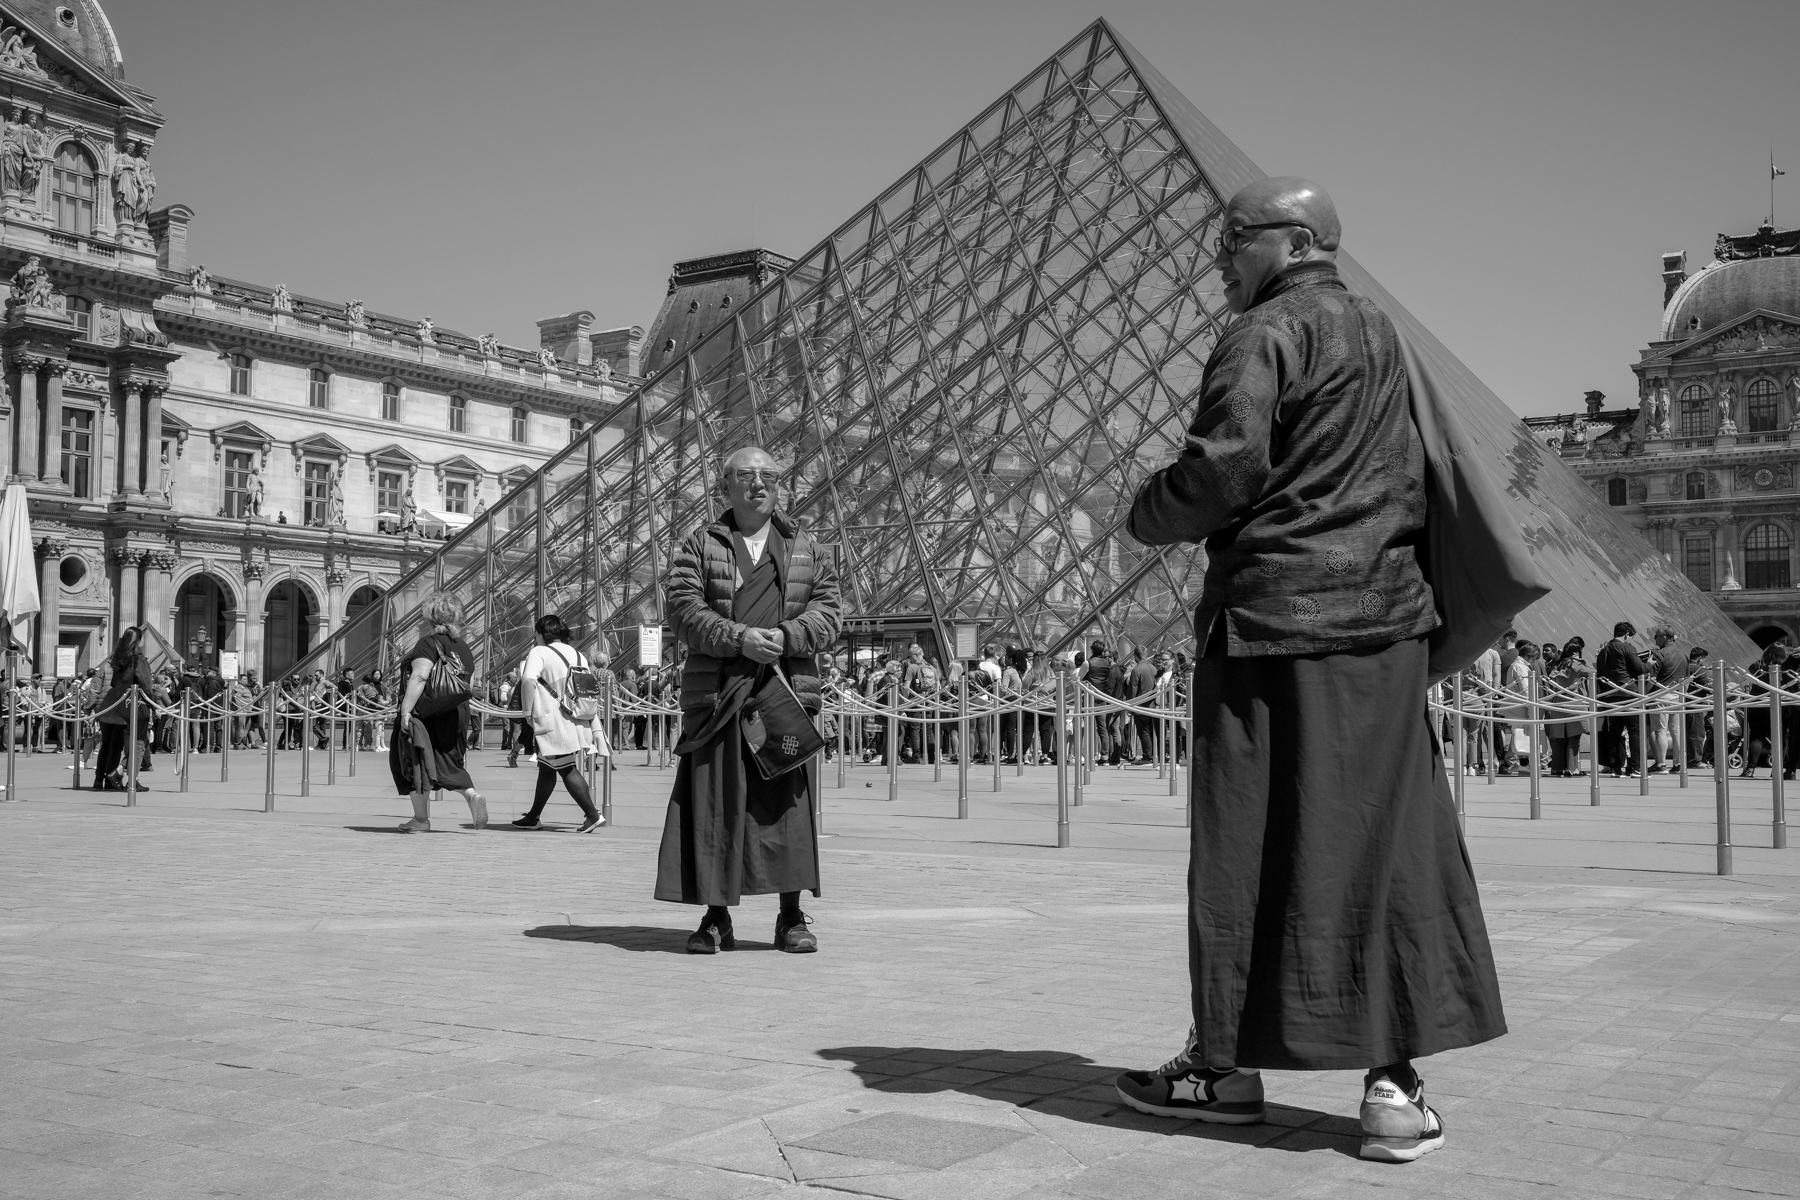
{"points": [[642, 939], [1060, 1084]]}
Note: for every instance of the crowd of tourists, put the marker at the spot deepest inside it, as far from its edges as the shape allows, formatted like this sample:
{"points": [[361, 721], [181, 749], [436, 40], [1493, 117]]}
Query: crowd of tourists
{"points": [[1012, 678], [1669, 681]]}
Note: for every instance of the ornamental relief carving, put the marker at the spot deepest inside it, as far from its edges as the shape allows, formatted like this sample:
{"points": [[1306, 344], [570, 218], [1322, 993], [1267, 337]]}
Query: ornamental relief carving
{"points": [[1762, 479], [1638, 490], [1754, 336]]}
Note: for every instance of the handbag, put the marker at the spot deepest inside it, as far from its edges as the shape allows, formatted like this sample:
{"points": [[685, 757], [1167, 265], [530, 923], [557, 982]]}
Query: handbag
{"points": [[446, 687], [777, 728]]}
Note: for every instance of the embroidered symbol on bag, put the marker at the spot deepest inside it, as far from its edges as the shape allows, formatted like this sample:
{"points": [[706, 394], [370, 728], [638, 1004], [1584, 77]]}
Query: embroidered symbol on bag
{"points": [[790, 745]]}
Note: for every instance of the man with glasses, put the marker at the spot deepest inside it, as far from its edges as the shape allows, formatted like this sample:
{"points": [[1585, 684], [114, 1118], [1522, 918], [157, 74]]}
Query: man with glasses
{"points": [[748, 595], [1333, 917]]}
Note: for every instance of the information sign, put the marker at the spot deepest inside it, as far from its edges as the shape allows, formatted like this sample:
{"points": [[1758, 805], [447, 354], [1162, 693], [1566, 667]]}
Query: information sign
{"points": [[65, 662], [650, 639], [228, 664], [966, 638]]}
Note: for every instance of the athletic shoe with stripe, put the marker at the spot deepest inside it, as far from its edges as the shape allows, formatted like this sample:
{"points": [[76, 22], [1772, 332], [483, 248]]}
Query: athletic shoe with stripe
{"points": [[1183, 1088], [1397, 1126]]}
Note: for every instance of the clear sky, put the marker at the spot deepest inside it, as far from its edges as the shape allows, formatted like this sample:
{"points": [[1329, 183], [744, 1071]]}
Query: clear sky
{"points": [[1511, 169]]}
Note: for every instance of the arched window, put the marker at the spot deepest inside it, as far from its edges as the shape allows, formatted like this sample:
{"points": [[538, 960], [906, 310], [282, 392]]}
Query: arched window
{"points": [[459, 414], [318, 388], [518, 422], [1696, 411], [73, 189], [1766, 558], [1696, 485], [1615, 492], [1762, 399]]}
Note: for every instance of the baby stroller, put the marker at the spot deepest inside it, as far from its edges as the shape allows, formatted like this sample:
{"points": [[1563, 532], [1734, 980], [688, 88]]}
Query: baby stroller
{"points": [[1734, 739]]}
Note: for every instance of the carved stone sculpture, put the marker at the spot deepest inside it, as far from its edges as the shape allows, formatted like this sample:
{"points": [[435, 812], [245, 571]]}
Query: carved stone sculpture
{"points": [[604, 369], [200, 280], [283, 300], [547, 359], [334, 508], [256, 496], [1794, 416], [17, 52], [1659, 410], [31, 287], [427, 333], [134, 185], [489, 345], [355, 313], [1577, 434], [1727, 396], [409, 510], [24, 152]]}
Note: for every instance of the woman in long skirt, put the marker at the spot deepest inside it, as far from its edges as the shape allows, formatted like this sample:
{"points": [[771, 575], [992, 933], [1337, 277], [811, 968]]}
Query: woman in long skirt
{"points": [[427, 752]]}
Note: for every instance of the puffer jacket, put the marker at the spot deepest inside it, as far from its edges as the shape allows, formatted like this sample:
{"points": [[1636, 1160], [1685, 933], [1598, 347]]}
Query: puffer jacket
{"points": [[697, 596]]}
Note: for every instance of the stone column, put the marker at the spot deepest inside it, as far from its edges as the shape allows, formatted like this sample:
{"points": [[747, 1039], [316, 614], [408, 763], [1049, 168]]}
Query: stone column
{"points": [[27, 405], [52, 422], [159, 592], [127, 561], [335, 575], [151, 457], [131, 442], [50, 555], [251, 641]]}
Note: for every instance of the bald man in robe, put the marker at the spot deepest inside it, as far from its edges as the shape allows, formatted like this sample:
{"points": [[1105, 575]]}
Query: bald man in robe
{"points": [[1333, 917], [748, 595]]}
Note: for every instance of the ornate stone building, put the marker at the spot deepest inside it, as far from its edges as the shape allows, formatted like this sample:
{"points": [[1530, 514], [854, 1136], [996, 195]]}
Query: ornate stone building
{"points": [[239, 467], [1704, 463]]}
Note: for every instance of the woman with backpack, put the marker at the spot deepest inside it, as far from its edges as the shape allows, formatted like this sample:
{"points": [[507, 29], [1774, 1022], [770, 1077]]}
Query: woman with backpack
{"points": [[431, 727], [561, 705], [129, 668]]}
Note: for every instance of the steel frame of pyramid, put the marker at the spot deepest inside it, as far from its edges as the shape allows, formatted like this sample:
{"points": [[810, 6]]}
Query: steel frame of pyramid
{"points": [[965, 383]]}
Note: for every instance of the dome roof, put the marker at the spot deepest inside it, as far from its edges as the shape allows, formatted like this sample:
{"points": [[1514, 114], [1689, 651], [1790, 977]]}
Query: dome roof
{"points": [[79, 27], [1725, 291]]}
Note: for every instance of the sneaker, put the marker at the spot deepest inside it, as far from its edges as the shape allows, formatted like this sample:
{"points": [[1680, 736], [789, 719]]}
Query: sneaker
{"points": [[414, 826], [1397, 1127], [478, 810], [527, 822], [712, 937], [792, 936], [592, 823], [1182, 1088]]}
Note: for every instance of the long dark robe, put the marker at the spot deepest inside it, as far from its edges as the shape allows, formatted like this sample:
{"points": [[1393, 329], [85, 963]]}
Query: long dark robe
{"points": [[429, 754], [1333, 916], [729, 832]]}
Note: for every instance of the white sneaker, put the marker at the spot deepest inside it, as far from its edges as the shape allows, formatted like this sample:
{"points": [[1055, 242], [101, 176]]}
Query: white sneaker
{"points": [[1397, 1127]]}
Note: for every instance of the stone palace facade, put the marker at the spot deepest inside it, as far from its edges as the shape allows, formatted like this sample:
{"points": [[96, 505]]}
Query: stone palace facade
{"points": [[235, 466], [1704, 463]]}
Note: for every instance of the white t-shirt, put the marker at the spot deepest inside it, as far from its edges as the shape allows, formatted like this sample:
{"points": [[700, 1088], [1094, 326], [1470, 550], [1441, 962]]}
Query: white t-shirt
{"points": [[755, 545]]}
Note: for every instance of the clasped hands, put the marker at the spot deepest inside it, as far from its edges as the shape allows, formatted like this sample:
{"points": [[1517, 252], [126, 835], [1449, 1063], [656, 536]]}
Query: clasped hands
{"points": [[764, 645]]}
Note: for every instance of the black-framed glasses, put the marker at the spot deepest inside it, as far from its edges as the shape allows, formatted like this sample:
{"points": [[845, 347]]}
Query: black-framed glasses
{"points": [[767, 478], [1230, 241]]}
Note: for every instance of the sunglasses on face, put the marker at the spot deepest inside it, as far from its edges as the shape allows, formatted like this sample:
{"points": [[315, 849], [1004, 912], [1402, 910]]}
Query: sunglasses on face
{"points": [[1230, 241], [750, 478]]}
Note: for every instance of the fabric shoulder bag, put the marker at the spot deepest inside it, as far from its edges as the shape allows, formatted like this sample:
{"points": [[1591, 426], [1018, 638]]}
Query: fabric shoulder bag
{"points": [[446, 687], [777, 728]]}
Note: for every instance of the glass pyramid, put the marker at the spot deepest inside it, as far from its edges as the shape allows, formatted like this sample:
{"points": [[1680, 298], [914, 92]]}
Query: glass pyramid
{"points": [[965, 383]]}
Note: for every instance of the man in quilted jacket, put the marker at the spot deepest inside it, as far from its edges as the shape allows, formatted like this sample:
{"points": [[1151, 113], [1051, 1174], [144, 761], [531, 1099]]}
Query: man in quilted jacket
{"points": [[748, 595]]}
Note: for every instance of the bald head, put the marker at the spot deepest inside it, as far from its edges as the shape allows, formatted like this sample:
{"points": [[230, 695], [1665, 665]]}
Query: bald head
{"points": [[751, 478], [749, 458], [1271, 227]]}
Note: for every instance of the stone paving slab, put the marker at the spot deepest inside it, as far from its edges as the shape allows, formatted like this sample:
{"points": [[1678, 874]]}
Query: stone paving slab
{"points": [[198, 998]]}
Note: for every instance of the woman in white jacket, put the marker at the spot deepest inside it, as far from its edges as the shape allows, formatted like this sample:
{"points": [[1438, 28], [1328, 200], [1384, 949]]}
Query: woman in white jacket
{"points": [[561, 742]]}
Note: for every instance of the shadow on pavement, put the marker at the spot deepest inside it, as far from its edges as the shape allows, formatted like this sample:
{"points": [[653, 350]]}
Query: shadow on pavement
{"points": [[645, 939], [1078, 1089]]}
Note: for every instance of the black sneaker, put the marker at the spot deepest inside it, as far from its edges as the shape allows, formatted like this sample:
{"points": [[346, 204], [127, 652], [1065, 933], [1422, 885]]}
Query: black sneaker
{"points": [[792, 935], [526, 822], [1180, 1088], [712, 937]]}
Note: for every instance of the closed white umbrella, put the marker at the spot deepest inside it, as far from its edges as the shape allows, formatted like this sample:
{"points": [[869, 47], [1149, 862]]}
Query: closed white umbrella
{"points": [[18, 600], [18, 573]]}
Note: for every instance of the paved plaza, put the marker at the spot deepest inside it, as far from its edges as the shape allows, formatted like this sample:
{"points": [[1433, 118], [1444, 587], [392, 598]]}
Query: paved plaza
{"points": [[202, 999]]}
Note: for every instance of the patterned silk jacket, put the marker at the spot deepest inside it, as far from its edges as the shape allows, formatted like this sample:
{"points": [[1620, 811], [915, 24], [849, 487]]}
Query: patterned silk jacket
{"points": [[1304, 476]]}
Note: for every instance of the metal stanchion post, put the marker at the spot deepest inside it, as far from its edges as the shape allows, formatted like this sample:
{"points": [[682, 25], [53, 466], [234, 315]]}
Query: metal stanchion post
{"points": [[306, 721], [606, 768], [1721, 769], [962, 746], [843, 739], [269, 755], [131, 750], [74, 740], [226, 739], [1078, 736], [184, 731], [1681, 722], [1643, 736], [1019, 736], [893, 738], [1459, 744], [1534, 711], [1187, 803], [1777, 766], [994, 746], [331, 736], [1171, 740], [1489, 730], [353, 727], [12, 725], [1062, 761], [1593, 680]]}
